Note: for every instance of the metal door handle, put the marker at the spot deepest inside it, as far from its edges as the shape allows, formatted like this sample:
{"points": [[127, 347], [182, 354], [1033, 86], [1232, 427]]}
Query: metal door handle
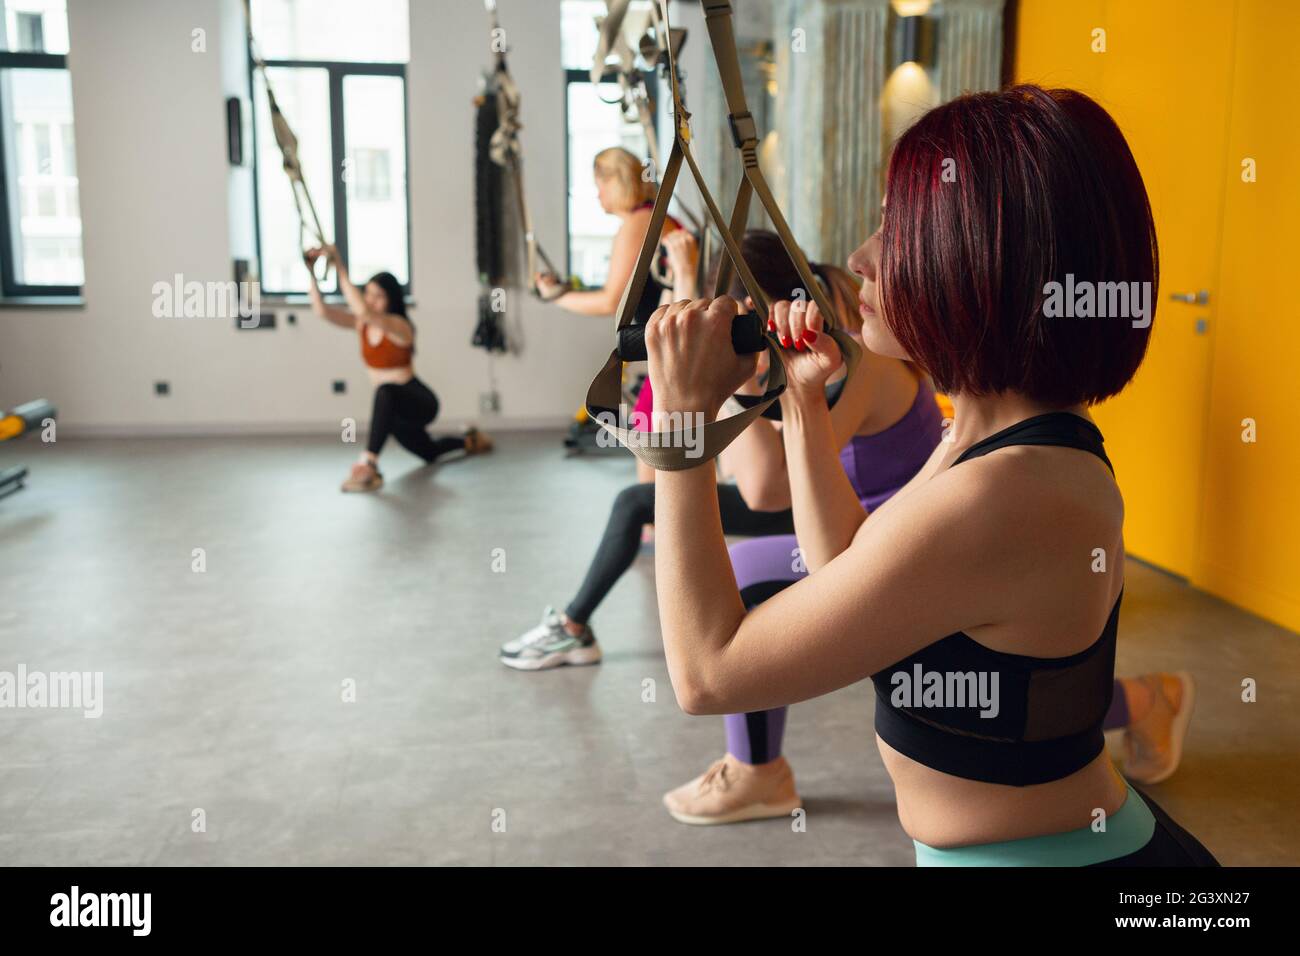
{"points": [[1198, 298]]}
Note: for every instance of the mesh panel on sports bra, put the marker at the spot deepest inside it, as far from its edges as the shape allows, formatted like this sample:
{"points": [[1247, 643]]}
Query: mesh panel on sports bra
{"points": [[1069, 700]]}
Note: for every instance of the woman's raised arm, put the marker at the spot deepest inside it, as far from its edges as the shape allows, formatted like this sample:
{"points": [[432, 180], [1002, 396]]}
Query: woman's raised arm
{"points": [[622, 260], [330, 313], [888, 595], [394, 327]]}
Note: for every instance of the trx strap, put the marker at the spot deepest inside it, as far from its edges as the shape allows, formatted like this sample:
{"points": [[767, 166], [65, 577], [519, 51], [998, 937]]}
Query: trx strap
{"points": [[656, 41], [652, 46], [506, 151], [686, 447], [308, 220]]}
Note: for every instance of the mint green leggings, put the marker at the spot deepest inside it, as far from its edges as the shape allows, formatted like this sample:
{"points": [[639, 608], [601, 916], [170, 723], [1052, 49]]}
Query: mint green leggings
{"points": [[1139, 833]]}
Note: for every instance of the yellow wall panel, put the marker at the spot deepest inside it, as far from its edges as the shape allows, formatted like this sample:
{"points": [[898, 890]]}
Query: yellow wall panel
{"points": [[1171, 101], [1054, 44], [1198, 86], [1249, 548]]}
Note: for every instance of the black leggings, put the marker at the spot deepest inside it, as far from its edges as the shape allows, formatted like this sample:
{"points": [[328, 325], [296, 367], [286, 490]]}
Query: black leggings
{"points": [[1170, 845], [404, 411], [634, 507]]}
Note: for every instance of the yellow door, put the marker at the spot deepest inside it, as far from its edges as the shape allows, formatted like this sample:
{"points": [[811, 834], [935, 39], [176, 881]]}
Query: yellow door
{"points": [[1162, 68], [1249, 548]]}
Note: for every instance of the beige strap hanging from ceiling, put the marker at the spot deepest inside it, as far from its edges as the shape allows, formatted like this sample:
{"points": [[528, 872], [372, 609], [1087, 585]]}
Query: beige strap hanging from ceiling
{"points": [[685, 447], [506, 151], [308, 220], [655, 41]]}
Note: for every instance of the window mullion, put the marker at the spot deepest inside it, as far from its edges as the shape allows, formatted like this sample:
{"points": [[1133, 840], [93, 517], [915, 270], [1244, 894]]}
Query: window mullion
{"points": [[406, 185], [254, 163], [9, 205], [338, 150]]}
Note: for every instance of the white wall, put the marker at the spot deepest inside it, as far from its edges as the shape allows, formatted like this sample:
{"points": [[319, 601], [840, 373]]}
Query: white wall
{"points": [[159, 198], [561, 351]]}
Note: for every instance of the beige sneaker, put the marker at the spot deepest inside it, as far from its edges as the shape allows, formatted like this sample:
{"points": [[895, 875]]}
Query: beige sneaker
{"points": [[364, 477], [731, 791], [1153, 746], [477, 443]]}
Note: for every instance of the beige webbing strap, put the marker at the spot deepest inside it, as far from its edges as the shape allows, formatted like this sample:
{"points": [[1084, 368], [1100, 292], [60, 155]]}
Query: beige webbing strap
{"points": [[686, 446], [633, 97], [744, 132], [656, 43], [739, 217], [611, 27], [308, 221], [506, 151]]}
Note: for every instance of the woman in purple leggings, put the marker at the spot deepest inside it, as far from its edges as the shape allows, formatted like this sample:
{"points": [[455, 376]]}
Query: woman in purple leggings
{"points": [[753, 780]]}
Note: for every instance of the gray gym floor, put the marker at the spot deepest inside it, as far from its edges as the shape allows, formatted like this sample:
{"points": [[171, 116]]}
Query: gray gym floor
{"points": [[223, 688]]}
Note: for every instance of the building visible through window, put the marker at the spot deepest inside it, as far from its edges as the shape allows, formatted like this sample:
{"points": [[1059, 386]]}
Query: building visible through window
{"points": [[40, 217], [338, 68], [370, 182], [31, 32]]}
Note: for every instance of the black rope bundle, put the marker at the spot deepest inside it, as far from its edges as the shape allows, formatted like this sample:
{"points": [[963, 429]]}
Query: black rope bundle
{"points": [[487, 195], [489, 332]]}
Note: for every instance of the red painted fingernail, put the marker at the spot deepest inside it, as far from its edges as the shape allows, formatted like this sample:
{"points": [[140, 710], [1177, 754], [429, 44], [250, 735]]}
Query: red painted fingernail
{"points": [[810, 336], [799, 346], [771, 325], [785, 342]]}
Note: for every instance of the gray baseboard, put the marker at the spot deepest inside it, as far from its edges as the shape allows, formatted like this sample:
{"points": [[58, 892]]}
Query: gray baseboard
{"points": [[288, 429]]}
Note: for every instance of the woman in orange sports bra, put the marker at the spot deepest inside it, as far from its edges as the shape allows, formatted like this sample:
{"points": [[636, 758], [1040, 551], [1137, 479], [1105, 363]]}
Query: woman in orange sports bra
{"points": [[403, 406]]}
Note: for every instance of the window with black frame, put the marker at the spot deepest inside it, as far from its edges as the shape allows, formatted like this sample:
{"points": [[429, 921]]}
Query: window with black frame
{"points": [[594, 121], [338, 68], [40, 214]]}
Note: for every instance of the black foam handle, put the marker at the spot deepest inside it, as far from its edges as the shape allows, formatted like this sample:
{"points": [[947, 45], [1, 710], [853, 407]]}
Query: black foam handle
{"points": [[746, 338]]}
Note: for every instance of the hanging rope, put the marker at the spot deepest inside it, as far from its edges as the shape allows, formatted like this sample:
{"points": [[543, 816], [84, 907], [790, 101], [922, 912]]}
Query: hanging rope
{"points": [[308, 220], [670, 451], [506, 151], [489, 331]]}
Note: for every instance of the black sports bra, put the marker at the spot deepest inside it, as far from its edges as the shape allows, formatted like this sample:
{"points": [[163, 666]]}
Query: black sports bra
{"points": [[961, 708]]}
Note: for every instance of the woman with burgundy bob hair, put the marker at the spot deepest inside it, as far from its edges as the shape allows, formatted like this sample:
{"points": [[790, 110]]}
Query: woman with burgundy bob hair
{"points": [[974, 598]]}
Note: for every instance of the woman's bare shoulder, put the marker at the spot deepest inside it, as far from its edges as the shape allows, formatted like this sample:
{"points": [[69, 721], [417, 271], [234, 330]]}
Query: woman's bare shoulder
{"points": [[1023, 507]]}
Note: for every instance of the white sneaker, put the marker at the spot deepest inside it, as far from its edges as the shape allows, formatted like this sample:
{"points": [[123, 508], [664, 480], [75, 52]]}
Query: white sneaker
{"points": [[550, 645]]}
